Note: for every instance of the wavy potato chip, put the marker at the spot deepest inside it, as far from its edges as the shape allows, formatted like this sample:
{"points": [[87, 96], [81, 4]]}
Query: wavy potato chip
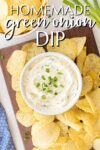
{"points": [[44, 135], [93, 99], [43, 118], [95, 75], [84, 105], [92, 62], [15, 80], [26, 119], [32, 50], [1, 31], [61, 141], [81, 59], [67, 47], [15, 18], [87, 85], [3, 9], [21, 103], [70, 145], [80, 42], [96, 144], [63, 128], [16, 62], [69, 118], [78, 140]]}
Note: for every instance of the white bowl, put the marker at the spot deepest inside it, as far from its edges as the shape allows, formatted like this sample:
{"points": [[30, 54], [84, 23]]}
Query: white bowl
{"points": [[75, 69]]}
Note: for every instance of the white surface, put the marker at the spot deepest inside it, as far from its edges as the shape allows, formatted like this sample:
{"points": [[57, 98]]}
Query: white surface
{"points": [[4, 97]]}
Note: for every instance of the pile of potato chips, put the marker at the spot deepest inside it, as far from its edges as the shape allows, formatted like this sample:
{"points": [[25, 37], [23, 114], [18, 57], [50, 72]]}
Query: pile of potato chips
{"points": [[76, 129], [5, 13]]}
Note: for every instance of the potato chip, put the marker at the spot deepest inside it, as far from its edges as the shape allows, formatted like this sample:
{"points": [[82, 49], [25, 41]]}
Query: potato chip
{"points": [[92, 62], [84, 105], [95, 75], [86, 118], [78, 139], [67, 47], [21, 103], [32, 50], [15, 83], [61, 141], [93, 99], [81, 59], [3, 9], [70, 145], [96, 144], [26, 119], [69, 118], [87, 85], [43, 118], [14, 18], [80, 42], [44, 135], [16, 62], [1, 31], [63, 128]]}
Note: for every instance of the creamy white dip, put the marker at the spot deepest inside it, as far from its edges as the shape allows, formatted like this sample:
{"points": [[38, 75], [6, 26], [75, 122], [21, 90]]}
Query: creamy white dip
{"points": [[50, 83]]}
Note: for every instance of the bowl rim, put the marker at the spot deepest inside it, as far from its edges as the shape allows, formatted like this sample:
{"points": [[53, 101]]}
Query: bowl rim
{"points": [[74, 66]]}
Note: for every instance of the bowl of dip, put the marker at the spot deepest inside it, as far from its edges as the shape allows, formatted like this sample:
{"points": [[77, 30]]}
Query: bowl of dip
{"points": [[51, 83]]}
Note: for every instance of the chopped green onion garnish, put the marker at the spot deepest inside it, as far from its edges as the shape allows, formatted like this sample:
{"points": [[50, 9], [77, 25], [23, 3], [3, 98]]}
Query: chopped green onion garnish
{"points": [[37, 84], [56, 93], [62, 86], [55, 85], [55, 79], [43, 97], [47, 70], [43, 77], [60, 73]]}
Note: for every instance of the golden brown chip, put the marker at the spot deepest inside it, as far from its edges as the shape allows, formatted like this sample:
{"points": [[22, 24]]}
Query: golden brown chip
{"points": [[67, 47], [87, 85], [26, 119], [43, 118], [84, 105], [16, 83], [44, 135], [32, 50], [92, 62], [93, 99], [79, 140], [21, 103], [70, 145], [80, 42], [95, 75], [1, 31], [63, 128], [3, 9], [14, 18], [69, 118], [81, 59], [62, 140], [16, 63]]}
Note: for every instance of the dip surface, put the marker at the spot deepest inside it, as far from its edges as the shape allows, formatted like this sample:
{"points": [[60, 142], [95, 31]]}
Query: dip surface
{"points": [[50, 83]]}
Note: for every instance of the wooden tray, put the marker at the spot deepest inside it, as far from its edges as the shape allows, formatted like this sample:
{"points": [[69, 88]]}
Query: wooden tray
{"points": [[76, 32]]}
